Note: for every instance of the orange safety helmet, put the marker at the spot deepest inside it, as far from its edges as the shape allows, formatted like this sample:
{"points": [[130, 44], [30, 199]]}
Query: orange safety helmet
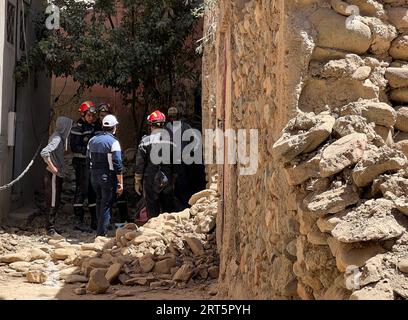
{"points": [[87, 106], [156, 117]]}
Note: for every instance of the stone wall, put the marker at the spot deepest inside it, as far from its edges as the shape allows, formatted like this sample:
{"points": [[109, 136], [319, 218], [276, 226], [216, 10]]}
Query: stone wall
{"points": [[323, 217]]}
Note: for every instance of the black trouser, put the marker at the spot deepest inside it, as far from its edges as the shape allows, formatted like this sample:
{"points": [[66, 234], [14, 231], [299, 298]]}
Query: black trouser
{"points": [[182, 184], [121, 203], [157, 199], [53, 188], [83, 188], [104, 183]]}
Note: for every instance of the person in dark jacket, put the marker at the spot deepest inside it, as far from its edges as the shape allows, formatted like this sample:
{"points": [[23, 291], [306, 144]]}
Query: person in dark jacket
{"points": [[153, 177], [53, 155], [177, 127], [121, 201], [104, 159], [82, 131]]}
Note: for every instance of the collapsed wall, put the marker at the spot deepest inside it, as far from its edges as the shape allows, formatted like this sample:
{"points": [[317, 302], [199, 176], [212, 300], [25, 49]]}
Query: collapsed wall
{"points": [[324, 216]]}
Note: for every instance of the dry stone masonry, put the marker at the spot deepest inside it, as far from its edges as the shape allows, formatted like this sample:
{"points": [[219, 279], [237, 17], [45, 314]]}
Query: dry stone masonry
{"points": [[351, 177], [325, 216]]}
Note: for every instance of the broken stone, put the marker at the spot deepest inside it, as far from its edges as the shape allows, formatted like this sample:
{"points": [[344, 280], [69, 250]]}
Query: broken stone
{"points": [[399, 48], [371, 271], [92, 247], [125, 293], [146, 263], [398, 17], [342, 153], [36, 276], [355, 124], [327, 224], [75, 278], [14, 257], [80, 291], [98, 284], [21, 266], [205, 193], [131, 235], [195, 246], [399, 95], [372, 220], [331, 201], [113, 272], [99, 263], [37, 254], [317, 238], [376, 161], [397, 77], [348, 256], [297, 174], [402, 118], [403, 266], [164, 266], [334, 32], [378, 112], [63, 253], [69, 271], [303, 134], [123, 278], [379, 291], [184, 273]]}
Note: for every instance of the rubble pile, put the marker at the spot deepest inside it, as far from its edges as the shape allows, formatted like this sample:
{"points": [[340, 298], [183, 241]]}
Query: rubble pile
{"points": [[171, 250]]}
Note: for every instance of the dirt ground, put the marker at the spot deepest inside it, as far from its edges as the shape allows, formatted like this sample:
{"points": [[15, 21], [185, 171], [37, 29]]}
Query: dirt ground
{"points": [[16, 288], [14, 285]]}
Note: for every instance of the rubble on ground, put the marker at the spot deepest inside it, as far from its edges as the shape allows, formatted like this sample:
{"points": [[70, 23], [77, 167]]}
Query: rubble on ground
{"points": [[171, 250]]}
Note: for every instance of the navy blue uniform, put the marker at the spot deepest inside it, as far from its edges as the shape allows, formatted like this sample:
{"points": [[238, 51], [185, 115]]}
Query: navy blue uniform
{"points": [[81, 133], [157, 198], [104, 158]]}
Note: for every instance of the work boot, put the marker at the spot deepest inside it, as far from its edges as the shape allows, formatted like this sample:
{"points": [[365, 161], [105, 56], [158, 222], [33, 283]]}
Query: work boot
{"points": [[94, 221], [52, 233]]}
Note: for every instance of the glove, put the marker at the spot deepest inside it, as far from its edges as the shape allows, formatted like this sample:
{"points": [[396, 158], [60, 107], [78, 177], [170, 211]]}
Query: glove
{"points": [[138, 184]]}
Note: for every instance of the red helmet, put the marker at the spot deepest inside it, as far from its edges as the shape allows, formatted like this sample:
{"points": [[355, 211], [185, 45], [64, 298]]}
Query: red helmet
{"points": [[87, 106], [156, 117]]}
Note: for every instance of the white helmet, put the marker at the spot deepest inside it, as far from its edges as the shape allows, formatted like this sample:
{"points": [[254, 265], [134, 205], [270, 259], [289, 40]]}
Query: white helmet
{"points": [[110, 121]]}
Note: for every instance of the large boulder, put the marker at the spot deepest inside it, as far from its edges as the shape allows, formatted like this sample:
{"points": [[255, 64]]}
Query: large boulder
{"points": [[298, 173], [331, 201], [402, 118], [373, 220], [376, 161], [398, 16], [378, 112], [348, 256], [335, 32], [399, 48], [97, 282], [356, 124], [399, 95], [342, 153], [303, 134], [397, 77]]}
